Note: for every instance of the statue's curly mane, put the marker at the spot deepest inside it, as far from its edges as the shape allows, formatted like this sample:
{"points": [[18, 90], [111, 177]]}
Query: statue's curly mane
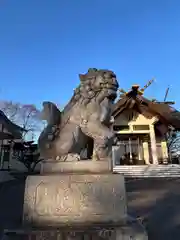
{"points": [[90, 87]]}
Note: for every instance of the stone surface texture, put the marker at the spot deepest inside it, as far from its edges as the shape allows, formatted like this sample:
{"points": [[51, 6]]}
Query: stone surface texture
{"points": [[132, 231], [74, 199], [87, 116], [86, 166]]}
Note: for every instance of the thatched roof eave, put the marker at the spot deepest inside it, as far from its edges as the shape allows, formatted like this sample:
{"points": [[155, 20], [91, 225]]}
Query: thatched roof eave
{"points": [[164, 112]]}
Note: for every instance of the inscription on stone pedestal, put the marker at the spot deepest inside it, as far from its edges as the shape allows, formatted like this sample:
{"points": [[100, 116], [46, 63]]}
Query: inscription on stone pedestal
{"points": [[75, 198], [54, 200]]}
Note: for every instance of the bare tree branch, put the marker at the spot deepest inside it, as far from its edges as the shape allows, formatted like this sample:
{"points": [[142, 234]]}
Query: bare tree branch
{"points": [[173, 141], [25, 115]]}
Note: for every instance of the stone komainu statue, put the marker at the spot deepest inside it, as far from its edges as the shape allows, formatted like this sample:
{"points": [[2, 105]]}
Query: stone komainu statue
{"points": [[87, 115]]}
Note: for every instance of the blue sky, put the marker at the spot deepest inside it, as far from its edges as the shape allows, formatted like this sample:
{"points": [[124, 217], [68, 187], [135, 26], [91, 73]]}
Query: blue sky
{"points": [[45, 44]]}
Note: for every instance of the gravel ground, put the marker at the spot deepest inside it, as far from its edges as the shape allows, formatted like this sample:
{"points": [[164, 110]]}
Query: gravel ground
{"points": [[155, 201]]}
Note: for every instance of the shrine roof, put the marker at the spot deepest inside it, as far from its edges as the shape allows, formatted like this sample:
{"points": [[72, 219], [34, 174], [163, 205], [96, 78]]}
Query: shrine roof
{"points": [[134, 99], [12, 127]]}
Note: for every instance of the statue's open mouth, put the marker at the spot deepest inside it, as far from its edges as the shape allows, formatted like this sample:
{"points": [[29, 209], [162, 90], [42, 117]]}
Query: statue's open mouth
{"points": [[112, 97], [112, 93]]}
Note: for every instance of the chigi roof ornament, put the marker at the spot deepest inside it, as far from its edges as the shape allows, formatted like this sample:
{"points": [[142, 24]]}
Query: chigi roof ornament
{"points": [[135, 89]]}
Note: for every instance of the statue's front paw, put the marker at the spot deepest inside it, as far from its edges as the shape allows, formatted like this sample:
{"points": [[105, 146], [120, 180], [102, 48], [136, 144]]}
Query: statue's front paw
{"points": [[73, 158], [68, 158]]}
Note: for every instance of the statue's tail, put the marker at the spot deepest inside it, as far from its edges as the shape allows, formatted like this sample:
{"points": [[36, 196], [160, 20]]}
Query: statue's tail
{"points": [[51, 113]]}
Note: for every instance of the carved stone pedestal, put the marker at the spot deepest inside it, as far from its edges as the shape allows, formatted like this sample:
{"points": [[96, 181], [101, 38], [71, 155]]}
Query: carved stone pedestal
{"points": [[79, 205], [131, 231], [79, 167]]}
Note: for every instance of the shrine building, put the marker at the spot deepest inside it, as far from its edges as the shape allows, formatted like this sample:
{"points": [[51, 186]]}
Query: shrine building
{"points": [[141, 126]]}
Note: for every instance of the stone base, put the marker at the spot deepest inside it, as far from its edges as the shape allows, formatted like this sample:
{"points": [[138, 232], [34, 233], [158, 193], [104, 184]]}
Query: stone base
{"points": [[76, 206], [132, 230], [74, 200], [85, 166]]}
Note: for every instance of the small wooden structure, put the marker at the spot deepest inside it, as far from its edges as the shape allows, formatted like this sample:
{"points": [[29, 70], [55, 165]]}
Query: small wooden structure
{"points": [[141, 126], [10, 133]]}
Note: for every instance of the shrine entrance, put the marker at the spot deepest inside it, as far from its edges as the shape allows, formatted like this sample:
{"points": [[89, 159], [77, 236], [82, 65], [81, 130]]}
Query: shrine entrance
{"points": [[130, 149]]}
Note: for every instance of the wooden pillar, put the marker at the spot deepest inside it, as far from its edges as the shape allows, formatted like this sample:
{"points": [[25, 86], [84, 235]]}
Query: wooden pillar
{"points": [[153, 145], [139, 149], [146, 152], [10, 155], [2, 157], [164, 151]]}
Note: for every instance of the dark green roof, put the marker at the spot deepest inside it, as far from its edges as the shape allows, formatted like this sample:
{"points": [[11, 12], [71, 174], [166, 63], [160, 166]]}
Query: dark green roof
{"points": [[12, 127]]}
